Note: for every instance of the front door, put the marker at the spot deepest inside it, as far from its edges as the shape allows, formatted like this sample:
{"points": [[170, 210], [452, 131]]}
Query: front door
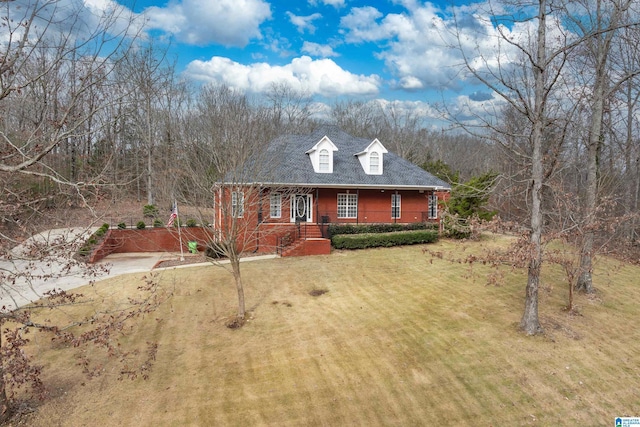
{"points": [[301, 208]]}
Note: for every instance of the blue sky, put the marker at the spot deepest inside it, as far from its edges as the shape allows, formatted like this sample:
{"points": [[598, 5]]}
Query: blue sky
{"points": [[395, 50]]}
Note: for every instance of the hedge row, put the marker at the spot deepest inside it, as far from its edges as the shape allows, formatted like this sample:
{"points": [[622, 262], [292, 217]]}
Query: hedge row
{"points": [[94, 239], [336, 229], [363, 241]]}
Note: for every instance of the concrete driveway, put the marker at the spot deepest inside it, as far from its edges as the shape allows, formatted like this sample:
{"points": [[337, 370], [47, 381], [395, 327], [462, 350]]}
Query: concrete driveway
{"points": [[24, 280], [25, 277]]}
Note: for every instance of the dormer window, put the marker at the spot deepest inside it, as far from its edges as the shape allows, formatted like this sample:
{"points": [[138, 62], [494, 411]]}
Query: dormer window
{"points": [[321, 155], [324, 160], [374, 163], [372, 158]]}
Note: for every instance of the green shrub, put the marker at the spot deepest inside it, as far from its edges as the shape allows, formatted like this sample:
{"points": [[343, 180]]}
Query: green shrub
{"points": [[191, 222], [336, 229], [141, 225], [215, 250], [157, 223], [363, 241], [122, 226], [150, 211], [87, 247]]}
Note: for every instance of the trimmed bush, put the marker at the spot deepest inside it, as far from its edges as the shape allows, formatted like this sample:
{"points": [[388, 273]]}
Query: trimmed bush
{"points": [[150, 211], [102, 230], [93, 240], [214, 251], [141, 225], [122, 226], [157, 223], [336, 229], [363, 241], [191, 222]]}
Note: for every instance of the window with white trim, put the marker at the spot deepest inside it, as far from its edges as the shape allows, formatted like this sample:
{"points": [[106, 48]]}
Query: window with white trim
{"points": [[324, 159], [395, 206], [374, 163], [433, 206], [237, 204], [347, 205], [275, 205]]}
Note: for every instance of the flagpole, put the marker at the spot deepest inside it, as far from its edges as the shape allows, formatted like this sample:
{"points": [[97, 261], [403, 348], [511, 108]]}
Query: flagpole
{"points": [[179, 231]]}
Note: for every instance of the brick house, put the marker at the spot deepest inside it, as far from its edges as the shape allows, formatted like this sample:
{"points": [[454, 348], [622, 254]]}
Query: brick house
{"points": [[305, 182]]}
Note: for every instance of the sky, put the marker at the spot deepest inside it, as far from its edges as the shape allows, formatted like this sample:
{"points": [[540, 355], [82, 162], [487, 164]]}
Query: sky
{"points": [[398, 52], [391, 50]]}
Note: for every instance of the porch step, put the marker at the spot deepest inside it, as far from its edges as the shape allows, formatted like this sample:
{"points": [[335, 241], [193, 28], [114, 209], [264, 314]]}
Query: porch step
{"points": [[309, 246], [312, 232]]}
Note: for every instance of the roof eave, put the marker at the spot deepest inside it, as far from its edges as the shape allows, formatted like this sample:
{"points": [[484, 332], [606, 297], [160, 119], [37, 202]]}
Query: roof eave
{"points": [[345, 186]]}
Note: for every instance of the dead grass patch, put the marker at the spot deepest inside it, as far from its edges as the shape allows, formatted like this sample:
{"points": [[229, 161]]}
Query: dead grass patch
{"points": [[399, 339]]}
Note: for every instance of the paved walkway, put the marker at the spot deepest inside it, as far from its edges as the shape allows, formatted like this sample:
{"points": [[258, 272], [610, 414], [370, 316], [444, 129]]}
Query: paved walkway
{"points": [[46, 276]]}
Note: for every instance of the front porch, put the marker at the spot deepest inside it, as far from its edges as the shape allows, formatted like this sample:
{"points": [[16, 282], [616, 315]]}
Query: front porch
{"points": [[296, 239]]}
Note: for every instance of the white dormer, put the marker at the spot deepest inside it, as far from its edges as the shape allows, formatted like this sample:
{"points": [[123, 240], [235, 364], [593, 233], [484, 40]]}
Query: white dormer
{"points": [[372, 158], [321, 155]]}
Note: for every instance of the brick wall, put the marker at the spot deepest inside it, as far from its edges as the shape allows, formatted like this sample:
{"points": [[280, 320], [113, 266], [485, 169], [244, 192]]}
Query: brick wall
{"points": [[161, 239]]}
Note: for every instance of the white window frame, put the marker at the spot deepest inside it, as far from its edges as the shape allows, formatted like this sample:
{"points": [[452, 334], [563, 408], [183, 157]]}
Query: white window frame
{"points": [[324, 160], [237, 204], [374, 166], [275, 205], [347, 205], [433, 206], [396, 204]]}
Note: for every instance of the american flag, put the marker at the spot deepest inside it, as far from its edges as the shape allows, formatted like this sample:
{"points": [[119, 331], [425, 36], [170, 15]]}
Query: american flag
{"points": [[174, 215]]}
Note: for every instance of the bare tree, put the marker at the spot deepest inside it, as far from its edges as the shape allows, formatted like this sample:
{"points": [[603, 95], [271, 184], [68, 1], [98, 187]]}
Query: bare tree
{"points": [[225, 146], [529, 86], [151, 81], [598, 23], [57, 65], [290, 109]]}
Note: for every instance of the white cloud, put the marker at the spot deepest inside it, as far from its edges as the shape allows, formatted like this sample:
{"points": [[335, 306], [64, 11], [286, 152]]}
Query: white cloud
{"points": [[419, 47], [405, 108], [71, 18], [319, 77], [203, 22], [335, 3], [316, 49], [467, 109], [361, 25], [304, 23]]}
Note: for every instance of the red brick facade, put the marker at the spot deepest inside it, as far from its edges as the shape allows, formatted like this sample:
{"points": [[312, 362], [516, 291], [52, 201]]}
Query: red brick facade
{"points": [[258, 231]]}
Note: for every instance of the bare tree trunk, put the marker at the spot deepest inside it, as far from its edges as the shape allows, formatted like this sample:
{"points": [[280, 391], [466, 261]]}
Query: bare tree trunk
{"points": [[5, 407], [602, 42], [149, 153], [585, 281], [235, 265], [530, 322]]}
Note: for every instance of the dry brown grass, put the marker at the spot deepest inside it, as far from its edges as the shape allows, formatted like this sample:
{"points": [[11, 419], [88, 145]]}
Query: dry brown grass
{"points": [[398, 339]]}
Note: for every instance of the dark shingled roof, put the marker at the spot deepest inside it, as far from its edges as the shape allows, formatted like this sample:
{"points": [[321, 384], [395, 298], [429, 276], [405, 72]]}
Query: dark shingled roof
{"points": [[288, 164]]}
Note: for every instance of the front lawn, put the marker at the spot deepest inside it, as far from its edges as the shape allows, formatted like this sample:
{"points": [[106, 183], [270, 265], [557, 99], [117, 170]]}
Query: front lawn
{"points": [[398, 338]]}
